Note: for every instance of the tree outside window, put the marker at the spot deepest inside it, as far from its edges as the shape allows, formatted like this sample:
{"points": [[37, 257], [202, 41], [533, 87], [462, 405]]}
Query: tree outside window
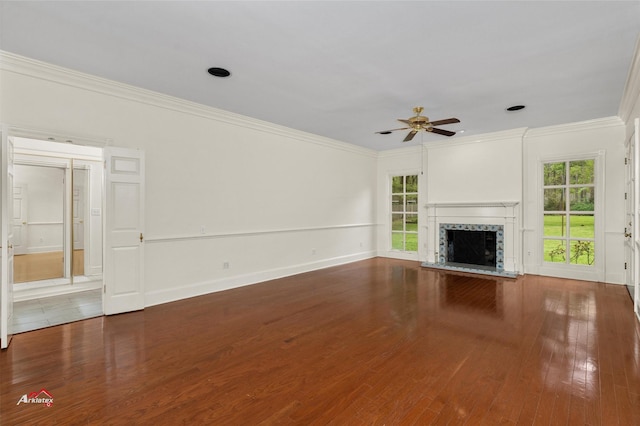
{"points": [[569, 212]]}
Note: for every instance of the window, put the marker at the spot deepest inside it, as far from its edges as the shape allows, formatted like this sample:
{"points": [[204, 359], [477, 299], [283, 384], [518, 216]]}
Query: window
{"points": [[569, 213], [404, 213]]}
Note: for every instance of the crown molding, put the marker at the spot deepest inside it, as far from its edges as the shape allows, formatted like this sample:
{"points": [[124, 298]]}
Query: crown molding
{"points": [[399, 152], [631, 93], [511, 134], [45, 71], [579, 126]]}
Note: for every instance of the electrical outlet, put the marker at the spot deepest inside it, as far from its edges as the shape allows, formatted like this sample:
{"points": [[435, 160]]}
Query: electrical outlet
{"points": [[202, 229], [225, 265], [313, 252]]}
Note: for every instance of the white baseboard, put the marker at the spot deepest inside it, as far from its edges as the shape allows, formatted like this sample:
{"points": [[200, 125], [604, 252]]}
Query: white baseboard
{"points": [[158, 297], [399, 255]]}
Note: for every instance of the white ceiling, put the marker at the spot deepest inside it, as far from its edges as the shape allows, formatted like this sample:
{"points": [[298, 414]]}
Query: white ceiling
{"points": [[345, 70]]}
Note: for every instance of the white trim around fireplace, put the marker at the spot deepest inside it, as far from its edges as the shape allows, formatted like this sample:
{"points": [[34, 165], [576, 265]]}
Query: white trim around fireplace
{"points": [[503, 213]]}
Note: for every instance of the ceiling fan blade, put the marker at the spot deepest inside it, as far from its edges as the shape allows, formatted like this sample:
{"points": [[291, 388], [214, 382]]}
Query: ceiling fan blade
{"points": [[445, 121], [441, 131], [410, 136], [393, 130], [407, 122]]}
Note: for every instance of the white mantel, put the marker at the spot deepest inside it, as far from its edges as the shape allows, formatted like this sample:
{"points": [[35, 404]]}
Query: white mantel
{"points": [[505, 213]]}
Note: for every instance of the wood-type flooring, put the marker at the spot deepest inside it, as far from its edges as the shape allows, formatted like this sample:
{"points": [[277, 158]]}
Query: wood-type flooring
{"points": [[379, 341]]}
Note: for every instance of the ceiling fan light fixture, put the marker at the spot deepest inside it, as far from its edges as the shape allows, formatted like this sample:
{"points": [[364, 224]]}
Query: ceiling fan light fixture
{"points": [[515, 108], [418, 122], [219, 72]]}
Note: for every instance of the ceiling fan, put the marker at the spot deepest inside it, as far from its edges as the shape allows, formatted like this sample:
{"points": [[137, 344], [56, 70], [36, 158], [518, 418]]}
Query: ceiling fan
{"points": [[420, 122]]}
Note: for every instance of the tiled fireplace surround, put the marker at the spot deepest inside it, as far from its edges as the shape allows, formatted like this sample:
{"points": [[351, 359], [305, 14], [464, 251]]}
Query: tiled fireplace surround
{"points": [[500, 216]]}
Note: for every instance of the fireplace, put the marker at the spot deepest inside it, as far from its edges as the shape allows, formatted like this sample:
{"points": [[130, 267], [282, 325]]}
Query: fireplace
{"points": [[478, 237]]}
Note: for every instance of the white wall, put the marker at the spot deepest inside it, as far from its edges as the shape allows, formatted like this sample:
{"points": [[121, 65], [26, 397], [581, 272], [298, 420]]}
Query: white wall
{"points": [[478, 168], [267, 200], [630, 103]]}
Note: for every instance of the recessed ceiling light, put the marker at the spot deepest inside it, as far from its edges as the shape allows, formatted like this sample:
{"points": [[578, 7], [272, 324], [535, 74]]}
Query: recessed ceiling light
{"points": [[515, 108], [384, 133], [219, 72], [461, 131]]}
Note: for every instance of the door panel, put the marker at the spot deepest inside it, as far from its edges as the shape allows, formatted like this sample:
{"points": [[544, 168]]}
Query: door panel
{"points": [[20, 228], [124, 255]]}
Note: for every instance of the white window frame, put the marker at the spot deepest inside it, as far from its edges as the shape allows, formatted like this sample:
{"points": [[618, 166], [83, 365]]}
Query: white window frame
{"points": [[404, 211], [594, 272]]}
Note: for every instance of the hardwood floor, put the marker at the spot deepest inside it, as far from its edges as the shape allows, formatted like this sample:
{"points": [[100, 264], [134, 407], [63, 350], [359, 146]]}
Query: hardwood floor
{"points": [[374, 342]]}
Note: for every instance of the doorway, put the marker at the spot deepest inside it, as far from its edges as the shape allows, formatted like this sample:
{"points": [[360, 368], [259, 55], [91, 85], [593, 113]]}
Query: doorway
{"points": [[119, 243], [57, 221]]}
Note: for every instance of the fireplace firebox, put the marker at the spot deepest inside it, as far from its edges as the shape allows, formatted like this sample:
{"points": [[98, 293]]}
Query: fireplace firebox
{"points": [[476, 246], [471, 247]]}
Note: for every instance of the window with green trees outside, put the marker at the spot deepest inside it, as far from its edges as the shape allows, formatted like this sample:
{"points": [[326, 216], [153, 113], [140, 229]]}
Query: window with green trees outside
{"points": [[569, 213], [404, 213]]}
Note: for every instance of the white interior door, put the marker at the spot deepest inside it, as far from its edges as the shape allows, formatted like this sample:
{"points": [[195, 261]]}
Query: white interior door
{"points": [[124, 229], [20, 219], [6, 285], [636, 217], [629, 224]]}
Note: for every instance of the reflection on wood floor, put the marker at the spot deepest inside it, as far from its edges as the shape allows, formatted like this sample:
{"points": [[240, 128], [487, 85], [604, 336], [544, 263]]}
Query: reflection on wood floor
{"points": [[379, 341], [44, 266]]}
